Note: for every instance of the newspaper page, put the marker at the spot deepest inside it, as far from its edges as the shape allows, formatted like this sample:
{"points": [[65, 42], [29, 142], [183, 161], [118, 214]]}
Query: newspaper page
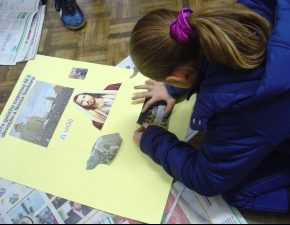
{"points": [[185, 206], [35, 31], [19, 203], [16, 17], [177, 212]]}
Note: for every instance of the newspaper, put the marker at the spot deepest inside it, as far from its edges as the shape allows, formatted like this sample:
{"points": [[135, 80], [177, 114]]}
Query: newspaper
{"points": [[20, 29], [19, 203], [185, 206]]}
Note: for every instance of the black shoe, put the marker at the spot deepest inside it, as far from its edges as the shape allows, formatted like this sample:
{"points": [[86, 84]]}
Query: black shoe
{"points": [[70, 14]]}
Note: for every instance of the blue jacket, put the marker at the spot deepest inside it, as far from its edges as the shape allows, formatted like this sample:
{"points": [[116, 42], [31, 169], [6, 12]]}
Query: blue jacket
{"points": [[245, 115]]}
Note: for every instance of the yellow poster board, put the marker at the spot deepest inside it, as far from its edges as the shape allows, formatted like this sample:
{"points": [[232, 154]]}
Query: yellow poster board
{"points": [[132, 186]]}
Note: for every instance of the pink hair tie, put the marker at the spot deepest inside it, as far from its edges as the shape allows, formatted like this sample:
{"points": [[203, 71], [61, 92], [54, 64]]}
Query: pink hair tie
{"points": [[180, 29]]}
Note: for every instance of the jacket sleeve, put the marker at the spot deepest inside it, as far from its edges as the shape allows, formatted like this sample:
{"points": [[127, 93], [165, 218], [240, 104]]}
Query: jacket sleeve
{"points": [[265, 8], [228, 154], [176, 92]]}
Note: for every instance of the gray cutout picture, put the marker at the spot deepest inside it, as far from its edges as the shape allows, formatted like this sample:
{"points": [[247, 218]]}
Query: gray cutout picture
{"points": [[104, 150]]}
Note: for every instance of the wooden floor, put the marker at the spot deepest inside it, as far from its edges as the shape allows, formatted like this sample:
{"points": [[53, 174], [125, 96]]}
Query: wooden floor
{"points": [[105, 40]]}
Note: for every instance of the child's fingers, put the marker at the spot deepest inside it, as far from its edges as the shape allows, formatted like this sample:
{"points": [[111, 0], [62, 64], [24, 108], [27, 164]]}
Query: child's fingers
{"points": [[145, 125], [148, 87], [147, 105], [140, 130], [142, 95], [169, 107]]}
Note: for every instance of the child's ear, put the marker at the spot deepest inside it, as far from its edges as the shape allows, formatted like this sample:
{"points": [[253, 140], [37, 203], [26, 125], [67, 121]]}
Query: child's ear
{"points": [[177, 76]]}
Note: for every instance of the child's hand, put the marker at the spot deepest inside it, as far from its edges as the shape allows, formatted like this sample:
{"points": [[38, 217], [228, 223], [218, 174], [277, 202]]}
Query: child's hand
{"points": [[157, 92], [138, 133]]}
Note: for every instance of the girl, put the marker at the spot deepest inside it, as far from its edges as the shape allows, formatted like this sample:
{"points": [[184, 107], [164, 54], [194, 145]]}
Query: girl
{"points": [[236, 57]]}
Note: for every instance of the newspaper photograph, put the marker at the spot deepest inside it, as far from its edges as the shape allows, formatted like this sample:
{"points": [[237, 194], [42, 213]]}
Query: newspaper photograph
{"points": [[96, 105], [155, 115], [40, 113], [104, 150], [15, 106], [129, 64], [78, 73]]}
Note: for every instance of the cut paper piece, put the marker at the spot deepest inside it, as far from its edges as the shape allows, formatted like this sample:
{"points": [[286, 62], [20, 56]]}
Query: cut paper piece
{"points": [[41, 112], [135, 72], [84, 102], [17, 102], [104, 150], [78, 73], [95, 104], [155, 115]]}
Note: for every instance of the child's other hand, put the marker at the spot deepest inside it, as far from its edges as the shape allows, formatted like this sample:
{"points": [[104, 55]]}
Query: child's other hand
{"points": [[138, 133], [156, 92]]}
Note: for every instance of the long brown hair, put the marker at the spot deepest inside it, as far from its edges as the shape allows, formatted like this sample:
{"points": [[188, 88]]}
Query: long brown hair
{"points": [[229, 34]]}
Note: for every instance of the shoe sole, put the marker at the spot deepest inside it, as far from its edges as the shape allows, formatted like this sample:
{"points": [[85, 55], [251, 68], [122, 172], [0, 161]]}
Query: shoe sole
{"points": [[78, 27]]}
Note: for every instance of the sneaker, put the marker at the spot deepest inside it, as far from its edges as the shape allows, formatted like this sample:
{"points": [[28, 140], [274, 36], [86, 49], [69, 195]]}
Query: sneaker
{"points": [[70, 14]]}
